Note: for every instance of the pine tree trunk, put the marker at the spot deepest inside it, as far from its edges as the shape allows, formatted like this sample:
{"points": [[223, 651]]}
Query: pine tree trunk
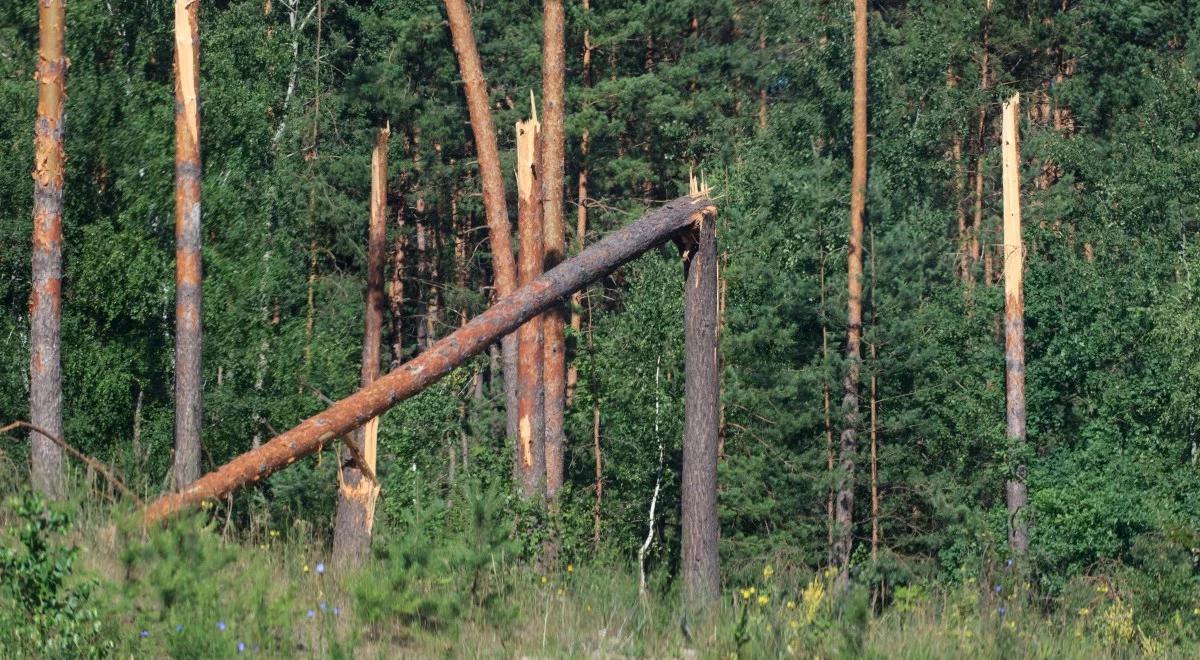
{"points": [[188, 273], [1016, 496], [356, 493], [979, 245], [875, 533], [495, 208], [597, 261], [531, 411], [396, 291], [701, 566], [47, 465], [555, 366], [847, 454], [830, 519]]}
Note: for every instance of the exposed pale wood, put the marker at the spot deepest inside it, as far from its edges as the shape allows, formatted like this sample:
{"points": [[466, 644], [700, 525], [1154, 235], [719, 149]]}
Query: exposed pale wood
{"points": [[1016, 494]]}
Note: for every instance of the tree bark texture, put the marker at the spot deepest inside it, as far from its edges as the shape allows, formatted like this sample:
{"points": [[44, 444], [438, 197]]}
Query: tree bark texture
{"points": [[551, 172], [494, 205], [357, 494], [188, 276], [531, 411], [844, 502], [701, 567], [1015, 493], [602, 258], [581, 213], [45, 301]]}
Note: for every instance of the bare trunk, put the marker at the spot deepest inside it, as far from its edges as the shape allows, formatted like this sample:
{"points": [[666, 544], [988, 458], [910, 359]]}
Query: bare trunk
{"points": [[844, 505], [875, 534], [396, 291], [504, 317], [596, 454], [47, 464], [357, 494], [701, 565], [1016, 496], [531, 412], [830, 520], [499, 230], [555, 365], [188, 275]]}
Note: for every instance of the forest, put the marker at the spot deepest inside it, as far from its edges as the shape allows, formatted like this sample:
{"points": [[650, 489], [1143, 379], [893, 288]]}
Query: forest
{"points": [[465, 328]]}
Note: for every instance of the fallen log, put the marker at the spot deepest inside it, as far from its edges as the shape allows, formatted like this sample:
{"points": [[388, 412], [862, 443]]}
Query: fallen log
{"points": [[598, 260]]}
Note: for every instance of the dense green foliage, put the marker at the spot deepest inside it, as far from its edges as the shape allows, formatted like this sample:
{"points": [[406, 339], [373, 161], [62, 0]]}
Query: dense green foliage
{"points": [[1111, 172]]}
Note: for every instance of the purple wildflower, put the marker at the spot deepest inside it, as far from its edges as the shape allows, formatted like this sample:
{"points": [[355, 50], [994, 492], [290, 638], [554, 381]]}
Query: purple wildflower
{"points": [[320, 568], [323, 606], [336, 610], [311, 614], [144, 634], [179, 627], [998, 588], [221, 625], [241, 647]]}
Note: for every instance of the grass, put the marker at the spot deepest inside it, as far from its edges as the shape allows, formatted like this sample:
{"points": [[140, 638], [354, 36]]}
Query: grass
{"points": [[195, 590]]}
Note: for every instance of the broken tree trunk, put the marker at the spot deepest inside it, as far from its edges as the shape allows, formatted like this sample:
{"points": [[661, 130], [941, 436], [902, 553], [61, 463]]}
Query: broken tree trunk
{"points": [[701, 567], [551, 173], [531, 412], [357, 494], [494, 205], [1015, 494], [45, 300], [602, 258], [188, 276]]}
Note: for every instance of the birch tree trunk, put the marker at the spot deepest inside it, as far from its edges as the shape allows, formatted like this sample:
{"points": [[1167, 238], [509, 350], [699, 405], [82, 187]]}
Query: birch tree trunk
{"points": [[47, 464], [356, 493], [1015, 493], [188, 272]]}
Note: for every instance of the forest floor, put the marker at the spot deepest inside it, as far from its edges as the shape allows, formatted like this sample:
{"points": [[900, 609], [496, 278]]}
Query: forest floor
{"points": [[199, 589]]}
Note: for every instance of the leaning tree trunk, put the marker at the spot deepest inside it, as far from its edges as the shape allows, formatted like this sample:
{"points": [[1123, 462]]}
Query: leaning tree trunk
{"points": [[701, 567], [555, 366], [531, 411], [188, 328], [494, 206], [45, 301], [602, 258], [1015, 493], [356, 493], [848, 450]]}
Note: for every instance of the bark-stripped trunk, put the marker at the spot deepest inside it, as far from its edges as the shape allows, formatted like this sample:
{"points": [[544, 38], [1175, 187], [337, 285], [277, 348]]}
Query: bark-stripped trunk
{"points": [[551, 173], [596, 453], [494, 205], [848, 450], [701, 566], [581, 214], [46, 468], [531, 411], [1015, 493], [356, 493], [188, 276], [505, 316]]}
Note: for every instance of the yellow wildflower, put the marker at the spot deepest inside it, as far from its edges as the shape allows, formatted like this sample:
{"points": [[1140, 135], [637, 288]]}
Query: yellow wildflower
{"points": [[746, 593], [545, 579], [1102, 589], [768, 571], [812, 596], [570, 568], [791, 604], [560, 591], [763, 599], [306, 568], [274, 532], [1196, 611], [793, 624], [1083, 611]]}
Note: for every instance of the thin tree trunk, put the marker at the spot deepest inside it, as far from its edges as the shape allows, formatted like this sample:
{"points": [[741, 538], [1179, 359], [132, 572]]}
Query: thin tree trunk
{"points": [[1016, 495], [311, 156], [531, 412], [46, 468], [555, 366], [658, 474], [830, 520], [858, 190], [581, 217], [978, 240], [188, 273], [357, 494], [597, 261], [960, 212], [596, 454], [875, 534], [701, 566], [494, 205], [396, 290]]}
